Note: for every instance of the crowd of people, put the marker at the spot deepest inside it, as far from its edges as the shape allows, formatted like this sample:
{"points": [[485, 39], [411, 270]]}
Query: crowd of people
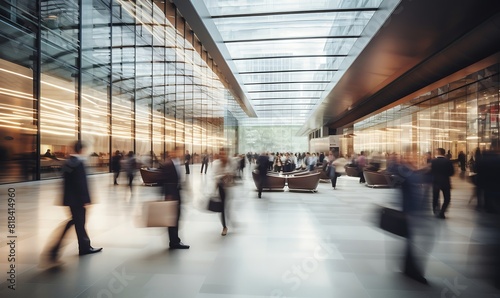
{"points": [[421, 185]]}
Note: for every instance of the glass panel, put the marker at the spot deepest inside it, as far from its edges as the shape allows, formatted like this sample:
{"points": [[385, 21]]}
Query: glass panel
{"points": [[122, 59], [223, 7], [288, 77], [17, 123], [299, 63], [18, 131], [277, 87], [58, 98], [314, 46], [293, 26], [96, 51]]}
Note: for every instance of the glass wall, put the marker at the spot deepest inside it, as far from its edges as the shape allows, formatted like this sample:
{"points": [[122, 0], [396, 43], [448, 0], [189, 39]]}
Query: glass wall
{"points": [[460, 116], [118, 75], [19, 88]]}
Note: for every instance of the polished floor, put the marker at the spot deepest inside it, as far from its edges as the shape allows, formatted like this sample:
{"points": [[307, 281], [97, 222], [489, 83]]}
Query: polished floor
{"points": [[287, 244]]}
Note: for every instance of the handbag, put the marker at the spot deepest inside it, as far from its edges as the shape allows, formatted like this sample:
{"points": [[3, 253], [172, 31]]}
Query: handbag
{"points": [[394, 221], [160, 213], [215, 204]]}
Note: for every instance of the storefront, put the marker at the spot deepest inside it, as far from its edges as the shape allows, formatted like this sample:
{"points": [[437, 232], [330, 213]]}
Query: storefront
{"points": [[459, 115]]}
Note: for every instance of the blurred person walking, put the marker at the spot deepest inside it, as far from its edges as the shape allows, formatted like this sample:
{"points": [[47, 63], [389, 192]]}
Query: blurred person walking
{"points": [[187, 160], [462, 161], [116, 165], [171, 170], [262, 166], [204, 161], [415, 205], [338, 163], [223, 172], [76, 196], [441, 171], [130, 168], [361, 164]]}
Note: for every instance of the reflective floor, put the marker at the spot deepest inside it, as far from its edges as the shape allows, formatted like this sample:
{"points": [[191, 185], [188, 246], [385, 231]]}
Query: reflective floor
{"points": [[287, 244]]}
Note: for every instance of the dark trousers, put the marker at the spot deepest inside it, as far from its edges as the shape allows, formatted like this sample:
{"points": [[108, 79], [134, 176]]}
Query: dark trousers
{"points": [[204, 165], [173, 232], [222, 194], [187, 167], [361, 176], [115, 175], [435, 198], [262, 182], [334, 179], [78, 220], [130, 180]]}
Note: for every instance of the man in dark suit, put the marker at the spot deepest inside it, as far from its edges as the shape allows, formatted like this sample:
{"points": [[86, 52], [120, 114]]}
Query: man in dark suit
{"points": [[187, 159], [262, 166], [76, 196], [116, 166], [204, 162], [171, 187], [441, 171]]}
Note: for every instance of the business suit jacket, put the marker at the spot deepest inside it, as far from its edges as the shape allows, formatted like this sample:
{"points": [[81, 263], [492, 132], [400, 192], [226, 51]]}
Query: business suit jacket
{"points": [[75, 187], [171, 191], [262, 165], [441, 170]]}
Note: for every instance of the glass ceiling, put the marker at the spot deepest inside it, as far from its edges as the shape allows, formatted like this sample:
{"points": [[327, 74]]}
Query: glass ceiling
{"points": [[288, 54]]}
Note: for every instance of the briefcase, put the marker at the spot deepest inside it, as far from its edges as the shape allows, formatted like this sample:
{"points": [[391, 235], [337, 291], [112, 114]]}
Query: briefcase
{"points": [[394, 221], [160, 213], [215, 204]]}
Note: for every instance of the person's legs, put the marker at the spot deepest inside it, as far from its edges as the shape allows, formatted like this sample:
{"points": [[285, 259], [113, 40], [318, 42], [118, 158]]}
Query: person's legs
{"points": [[173, 236], [222, 194], [78, 213], [361, 177], [54, 251], [116, 174], [435, 199], [130, 180], [446, 201], [333, 178], [262, 181]]}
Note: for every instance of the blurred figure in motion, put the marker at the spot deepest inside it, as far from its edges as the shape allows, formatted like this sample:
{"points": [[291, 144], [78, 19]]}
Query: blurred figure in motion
{"points": [[223, 174], [441, 170], [171, 170], [131, 168], [262, 166], [204, 161], [462, 161], [338, 164], [187, 160], [116, 165], [76, 196], [488, 177], [416, 208]]}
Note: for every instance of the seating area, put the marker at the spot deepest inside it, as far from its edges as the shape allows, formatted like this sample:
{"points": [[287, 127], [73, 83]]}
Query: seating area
{"points": [[377, 179], [274, 181], [351, 171], [151, 176], [47, 163], [301, 180], [307, 182]]}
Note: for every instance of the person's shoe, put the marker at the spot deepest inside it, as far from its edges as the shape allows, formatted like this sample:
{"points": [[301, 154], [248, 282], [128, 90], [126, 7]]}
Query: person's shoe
{"points": [[179, 245], [89, 251], [224, 232], [416, 276], [441, 216]]}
